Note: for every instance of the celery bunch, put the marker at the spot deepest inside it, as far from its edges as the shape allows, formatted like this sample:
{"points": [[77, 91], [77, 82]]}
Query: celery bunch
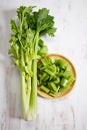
{"points": [[26, 46]]}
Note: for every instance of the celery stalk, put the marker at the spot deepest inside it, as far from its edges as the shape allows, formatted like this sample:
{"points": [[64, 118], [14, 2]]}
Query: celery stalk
{"points": [[26, 34]]}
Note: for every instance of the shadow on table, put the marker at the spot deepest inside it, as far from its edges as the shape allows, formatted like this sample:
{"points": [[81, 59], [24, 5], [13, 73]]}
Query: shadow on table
{"points": [[12, 83]]}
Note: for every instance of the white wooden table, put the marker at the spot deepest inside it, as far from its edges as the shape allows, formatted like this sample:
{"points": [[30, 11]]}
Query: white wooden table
{"points": [[68, 113]]}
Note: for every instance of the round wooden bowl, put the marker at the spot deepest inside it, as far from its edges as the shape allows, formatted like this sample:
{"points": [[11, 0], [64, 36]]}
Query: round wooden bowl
{"points": [[60, 94]]}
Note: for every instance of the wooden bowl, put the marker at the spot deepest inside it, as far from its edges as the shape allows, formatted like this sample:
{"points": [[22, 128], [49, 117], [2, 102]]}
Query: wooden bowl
{"points": [[60, 94]]}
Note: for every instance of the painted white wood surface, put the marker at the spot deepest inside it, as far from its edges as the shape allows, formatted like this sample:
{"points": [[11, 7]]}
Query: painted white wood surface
{"points": [[68, 113]]}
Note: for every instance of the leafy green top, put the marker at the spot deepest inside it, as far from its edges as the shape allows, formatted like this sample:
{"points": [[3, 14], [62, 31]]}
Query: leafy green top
{"points": [[27, 31]]}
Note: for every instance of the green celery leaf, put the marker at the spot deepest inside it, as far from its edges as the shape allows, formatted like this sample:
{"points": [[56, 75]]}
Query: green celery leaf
{"points": [[14, 26]]}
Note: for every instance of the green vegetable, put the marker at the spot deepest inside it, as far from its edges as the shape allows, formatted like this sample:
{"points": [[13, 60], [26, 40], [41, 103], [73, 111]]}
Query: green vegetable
{"points": [[44, 61], [55, 75], [63, 64], [53, 94], [26, 46], [52, 86], [71, 79], [50, 69], [58, 88], [57, 80], [64, 82], [43, 51], [45, 89], [66, 74], [44, 77], [40, 43]]}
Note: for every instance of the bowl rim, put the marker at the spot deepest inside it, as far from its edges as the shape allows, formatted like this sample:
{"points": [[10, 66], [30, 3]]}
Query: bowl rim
{"points": [[61, 94]]}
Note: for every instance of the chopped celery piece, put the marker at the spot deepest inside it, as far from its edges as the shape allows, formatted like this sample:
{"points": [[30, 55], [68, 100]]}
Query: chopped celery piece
{"points": [[63, 64], [51, 70], [62, 89], [44, 77], [58, 88], [57, 80], [66, 74], [71, 80], [44, 61], [52, 60], [64, 82], [45, 89], [53, 94], [52, 86], [57, 69]]}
